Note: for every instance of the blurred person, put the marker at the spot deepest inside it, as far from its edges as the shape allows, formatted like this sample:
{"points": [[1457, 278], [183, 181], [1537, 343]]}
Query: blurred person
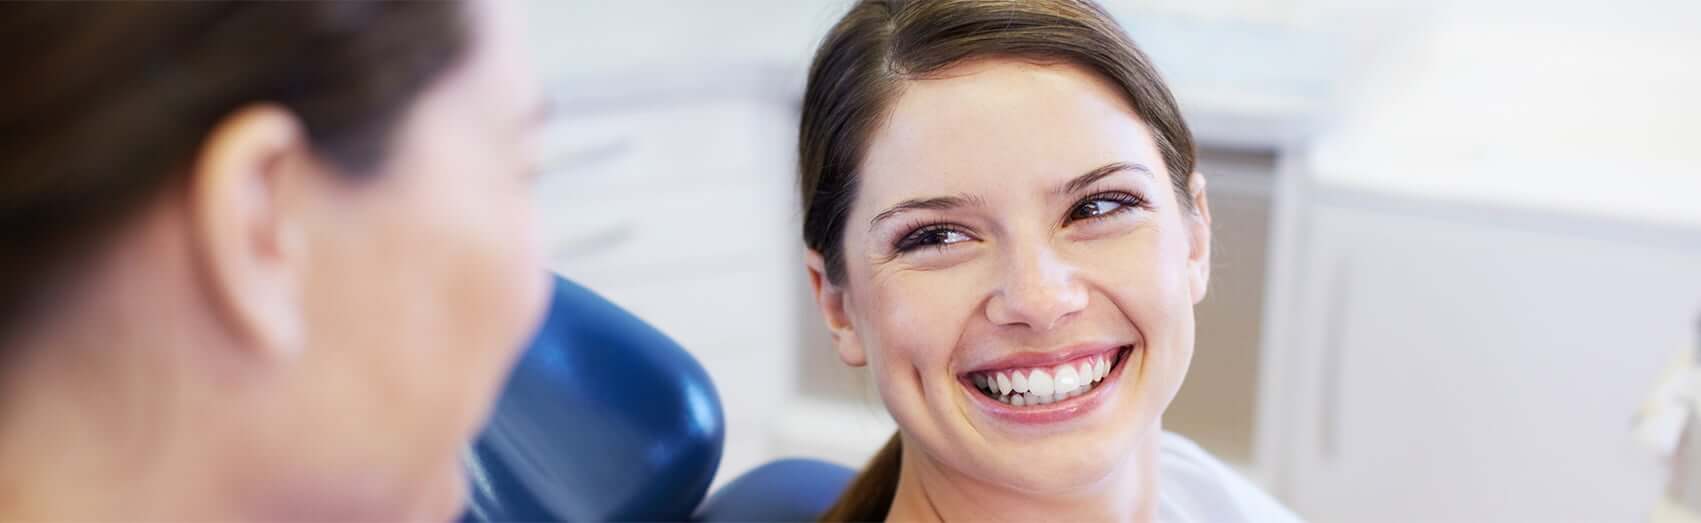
{"points": [[263, 260], [1004, 225]]}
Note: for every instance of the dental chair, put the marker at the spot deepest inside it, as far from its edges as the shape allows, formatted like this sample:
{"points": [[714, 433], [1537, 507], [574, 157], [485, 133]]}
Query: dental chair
{"points": [[606, 419]]}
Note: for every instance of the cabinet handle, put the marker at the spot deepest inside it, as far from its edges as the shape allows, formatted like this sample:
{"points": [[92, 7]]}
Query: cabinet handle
{"points": [[572, 159], [1329, 407], [590, 245], [1697, 359]]}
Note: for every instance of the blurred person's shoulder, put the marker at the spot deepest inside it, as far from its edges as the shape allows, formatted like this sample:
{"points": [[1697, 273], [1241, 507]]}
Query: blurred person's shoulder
{"points": [[1197, 487]]}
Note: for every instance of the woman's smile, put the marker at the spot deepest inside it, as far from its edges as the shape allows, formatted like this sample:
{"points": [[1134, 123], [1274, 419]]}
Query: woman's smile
{"points": [[1044, 388]]}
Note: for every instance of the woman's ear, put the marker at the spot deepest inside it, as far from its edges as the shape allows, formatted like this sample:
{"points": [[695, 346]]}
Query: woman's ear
{"points": [[832, 301], [1199, 233], [247, 239]]}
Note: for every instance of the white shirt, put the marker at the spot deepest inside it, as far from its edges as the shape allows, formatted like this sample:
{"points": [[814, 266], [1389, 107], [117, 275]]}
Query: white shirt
{"points": [[1195, 487]]}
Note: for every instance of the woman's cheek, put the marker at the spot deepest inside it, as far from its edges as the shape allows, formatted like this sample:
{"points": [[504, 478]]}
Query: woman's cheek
{"points": [[919, 318], [1146, 279], [1150, 261]]}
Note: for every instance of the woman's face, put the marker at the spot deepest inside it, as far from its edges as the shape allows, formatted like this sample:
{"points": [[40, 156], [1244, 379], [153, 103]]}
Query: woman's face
{"points": [[1014, 237], [425, 280]]}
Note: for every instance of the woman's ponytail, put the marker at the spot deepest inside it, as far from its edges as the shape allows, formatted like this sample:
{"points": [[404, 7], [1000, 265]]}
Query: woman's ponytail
{"points": [[870, 495]]}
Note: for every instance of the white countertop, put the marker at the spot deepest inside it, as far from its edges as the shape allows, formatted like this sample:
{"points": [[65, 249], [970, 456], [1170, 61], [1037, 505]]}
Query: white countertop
{"points": [[1549, 117]]}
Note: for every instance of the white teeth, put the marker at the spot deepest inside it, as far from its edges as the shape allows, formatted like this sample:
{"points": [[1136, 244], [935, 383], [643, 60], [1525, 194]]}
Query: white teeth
{"points": [[1065, 379], [1039, 383], [1033, 387], [1069, 373]]}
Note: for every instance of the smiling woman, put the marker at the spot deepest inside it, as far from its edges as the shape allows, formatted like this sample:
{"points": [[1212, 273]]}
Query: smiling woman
{"points": [[1004, 224]]}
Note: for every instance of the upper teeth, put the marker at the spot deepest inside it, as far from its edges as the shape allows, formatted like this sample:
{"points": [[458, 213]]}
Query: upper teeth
{"points": [[1043, 385]]}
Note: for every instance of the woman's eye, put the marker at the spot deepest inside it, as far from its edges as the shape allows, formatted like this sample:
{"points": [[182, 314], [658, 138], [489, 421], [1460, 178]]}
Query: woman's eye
{"points": [[932, 237], [1094, 209], [1101, 206]]}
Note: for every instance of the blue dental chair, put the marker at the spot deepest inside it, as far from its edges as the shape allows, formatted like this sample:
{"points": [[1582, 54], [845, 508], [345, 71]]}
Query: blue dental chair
{"points": [[606, 419]]}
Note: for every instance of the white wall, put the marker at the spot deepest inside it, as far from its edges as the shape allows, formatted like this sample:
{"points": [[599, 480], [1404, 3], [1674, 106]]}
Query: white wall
{"points": [[1562, 106]]}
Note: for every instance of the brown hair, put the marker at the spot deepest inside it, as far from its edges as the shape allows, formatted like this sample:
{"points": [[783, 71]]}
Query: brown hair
{"points": [[860, 69], [103, 105]]}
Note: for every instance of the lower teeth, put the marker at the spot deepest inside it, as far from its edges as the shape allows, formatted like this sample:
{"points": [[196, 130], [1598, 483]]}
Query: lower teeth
{"points": [[1020, 399]]}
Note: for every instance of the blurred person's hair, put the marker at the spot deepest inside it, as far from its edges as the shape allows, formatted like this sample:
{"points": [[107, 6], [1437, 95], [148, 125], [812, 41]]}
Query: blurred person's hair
{"points": [[104, 105], [861, 68]]}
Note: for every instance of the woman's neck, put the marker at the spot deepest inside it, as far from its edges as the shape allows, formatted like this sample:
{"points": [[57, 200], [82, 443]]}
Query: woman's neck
{"points": [[97, 423], [928, 491], [78, 450]]}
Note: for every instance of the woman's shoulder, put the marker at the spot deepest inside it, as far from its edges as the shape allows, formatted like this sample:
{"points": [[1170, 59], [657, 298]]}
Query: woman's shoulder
{"points": [[1196, 486]]}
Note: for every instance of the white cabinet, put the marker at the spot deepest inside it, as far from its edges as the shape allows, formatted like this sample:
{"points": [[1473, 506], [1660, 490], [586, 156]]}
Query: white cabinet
{"points": [[1437, 363]]}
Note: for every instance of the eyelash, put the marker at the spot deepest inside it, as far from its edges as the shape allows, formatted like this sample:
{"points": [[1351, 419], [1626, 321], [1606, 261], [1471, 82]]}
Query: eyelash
{"points": [[1127, 202], [919, 232], [914, 239]]}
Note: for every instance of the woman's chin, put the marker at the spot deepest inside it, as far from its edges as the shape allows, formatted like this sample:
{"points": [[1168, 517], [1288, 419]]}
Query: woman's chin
{"points": [[1048, 471]]}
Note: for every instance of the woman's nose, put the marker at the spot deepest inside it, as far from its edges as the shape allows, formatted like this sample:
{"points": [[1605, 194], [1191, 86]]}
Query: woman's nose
{"points": [[1039, 290]]}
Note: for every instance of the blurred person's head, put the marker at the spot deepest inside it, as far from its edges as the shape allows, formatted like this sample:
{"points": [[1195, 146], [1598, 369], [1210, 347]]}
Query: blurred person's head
{"points": [[1004, 225], [258, 260]]}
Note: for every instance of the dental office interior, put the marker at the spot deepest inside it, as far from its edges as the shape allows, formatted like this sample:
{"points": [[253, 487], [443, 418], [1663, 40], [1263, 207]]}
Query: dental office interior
{"points": [[1457, 255]]}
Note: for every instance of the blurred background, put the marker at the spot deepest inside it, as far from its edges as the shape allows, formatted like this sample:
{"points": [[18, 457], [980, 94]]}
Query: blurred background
{"points": [[1456, 241]]}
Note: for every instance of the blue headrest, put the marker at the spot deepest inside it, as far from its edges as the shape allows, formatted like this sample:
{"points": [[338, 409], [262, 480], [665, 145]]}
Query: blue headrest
{"points": [[604, 418], [784, 490]]}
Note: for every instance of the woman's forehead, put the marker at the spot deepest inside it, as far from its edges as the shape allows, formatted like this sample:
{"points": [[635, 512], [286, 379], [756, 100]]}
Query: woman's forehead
{"points": [[1001, 125]]}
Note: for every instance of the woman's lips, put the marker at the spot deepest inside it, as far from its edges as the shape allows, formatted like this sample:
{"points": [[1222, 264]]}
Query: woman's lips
{"points": [[1048, 394]]}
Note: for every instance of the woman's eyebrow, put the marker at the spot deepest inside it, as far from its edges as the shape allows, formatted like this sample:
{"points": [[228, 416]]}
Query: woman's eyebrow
{"points": [[935, 203], [1082, 181]]}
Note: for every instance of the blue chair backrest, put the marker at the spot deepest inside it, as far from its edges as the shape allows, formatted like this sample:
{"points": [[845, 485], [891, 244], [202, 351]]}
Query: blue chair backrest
{"points": [[603, 419]]}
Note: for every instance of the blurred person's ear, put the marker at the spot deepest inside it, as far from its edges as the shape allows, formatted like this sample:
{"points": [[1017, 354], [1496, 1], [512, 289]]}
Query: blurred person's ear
{"points": [[1199, 234], [245, 204], [832, 300]]}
